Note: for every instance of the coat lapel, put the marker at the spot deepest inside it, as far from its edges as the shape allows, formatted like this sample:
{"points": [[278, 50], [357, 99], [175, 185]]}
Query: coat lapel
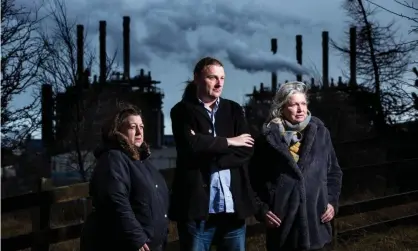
{"points": [[274, 138], [200, 109], [272, 135], [196, 107], [307, 142]]}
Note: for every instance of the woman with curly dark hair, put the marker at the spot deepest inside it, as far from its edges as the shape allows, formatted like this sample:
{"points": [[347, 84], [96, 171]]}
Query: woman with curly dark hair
{"points": [[129, 195]]}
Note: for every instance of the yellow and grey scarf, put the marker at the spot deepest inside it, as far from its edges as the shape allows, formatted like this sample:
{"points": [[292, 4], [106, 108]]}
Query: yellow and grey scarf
{"points": [[292, 134]]}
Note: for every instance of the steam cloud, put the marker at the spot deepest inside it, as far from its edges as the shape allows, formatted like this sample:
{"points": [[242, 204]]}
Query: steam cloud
{"points": [[186, 31]]}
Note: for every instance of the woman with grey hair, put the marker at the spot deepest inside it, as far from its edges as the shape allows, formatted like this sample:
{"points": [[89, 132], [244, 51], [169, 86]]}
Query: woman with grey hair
{"points": [[297, 191]]}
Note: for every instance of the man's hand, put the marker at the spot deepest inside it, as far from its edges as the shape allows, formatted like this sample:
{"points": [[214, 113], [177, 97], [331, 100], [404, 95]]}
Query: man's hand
{"points": [[144, 248], [272, 221], [241, 140], [328, 215]]}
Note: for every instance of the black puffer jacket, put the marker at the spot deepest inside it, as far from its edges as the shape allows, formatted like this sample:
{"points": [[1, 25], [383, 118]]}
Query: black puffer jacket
{"points": [[130, 199]]}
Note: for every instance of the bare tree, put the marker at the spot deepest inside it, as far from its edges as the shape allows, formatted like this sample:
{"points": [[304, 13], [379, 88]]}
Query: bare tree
{"points": [[383, 59], [415, 95], [22, 54], [61, 70], [407, 5]]}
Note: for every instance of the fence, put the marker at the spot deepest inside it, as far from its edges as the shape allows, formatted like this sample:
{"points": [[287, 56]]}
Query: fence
{"points": [[42, 236]]}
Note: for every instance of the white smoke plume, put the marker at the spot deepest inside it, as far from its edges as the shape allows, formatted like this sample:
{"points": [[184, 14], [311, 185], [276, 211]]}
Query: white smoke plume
{"points": [[185, 30]]}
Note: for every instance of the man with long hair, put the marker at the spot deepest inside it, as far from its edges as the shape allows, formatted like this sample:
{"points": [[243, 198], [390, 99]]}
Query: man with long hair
{"points": [[211, 194]]}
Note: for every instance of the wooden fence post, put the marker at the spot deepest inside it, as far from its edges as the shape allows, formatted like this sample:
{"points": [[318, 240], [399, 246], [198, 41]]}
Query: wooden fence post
{"points": [[334, 234], [41, 218]]}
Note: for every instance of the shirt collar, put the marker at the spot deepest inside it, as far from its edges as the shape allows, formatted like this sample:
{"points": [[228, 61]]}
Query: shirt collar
{"points": [[216, 103]]}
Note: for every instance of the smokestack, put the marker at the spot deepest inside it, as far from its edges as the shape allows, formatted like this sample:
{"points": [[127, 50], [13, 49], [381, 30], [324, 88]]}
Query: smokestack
{"points": [[299, 54], [273, 82], [274, 45], [162, 126], [80, 53], [126, 47], [102, 42], [353, 56], [159, 125], [325, 59], [47, 115], [273, 74], [340, 81]]}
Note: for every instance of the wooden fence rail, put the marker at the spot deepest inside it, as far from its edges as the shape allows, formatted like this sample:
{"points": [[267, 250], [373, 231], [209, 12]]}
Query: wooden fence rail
{"points": [[42, 235]]}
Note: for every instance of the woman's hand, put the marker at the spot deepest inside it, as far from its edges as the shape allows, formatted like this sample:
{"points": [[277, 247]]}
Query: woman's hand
{"points": [[328, 215], [144, 248], [272, 220]]}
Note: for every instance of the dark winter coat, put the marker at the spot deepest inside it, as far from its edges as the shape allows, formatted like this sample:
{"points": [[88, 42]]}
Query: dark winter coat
{"points": [[130, 200], [298, 193], [197, 153]]}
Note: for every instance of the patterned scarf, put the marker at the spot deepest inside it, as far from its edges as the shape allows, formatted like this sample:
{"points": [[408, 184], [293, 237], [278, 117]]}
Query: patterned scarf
{"points": [[293, 134]]}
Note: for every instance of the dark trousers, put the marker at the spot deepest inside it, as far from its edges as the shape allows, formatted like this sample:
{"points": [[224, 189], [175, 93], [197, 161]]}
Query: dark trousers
{"points": [[224, 230]]}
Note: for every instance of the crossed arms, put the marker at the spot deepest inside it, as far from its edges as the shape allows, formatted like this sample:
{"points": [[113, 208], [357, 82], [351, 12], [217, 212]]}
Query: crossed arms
{"points": [[228, 152]]}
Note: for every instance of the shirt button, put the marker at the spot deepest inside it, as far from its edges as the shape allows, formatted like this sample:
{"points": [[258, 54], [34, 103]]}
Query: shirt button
{"points": [[156, 186], [210, 131], [165, 215]]}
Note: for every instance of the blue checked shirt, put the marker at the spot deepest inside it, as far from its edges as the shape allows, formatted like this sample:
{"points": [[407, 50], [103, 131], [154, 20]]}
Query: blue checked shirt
{"points": [[220, 199]]}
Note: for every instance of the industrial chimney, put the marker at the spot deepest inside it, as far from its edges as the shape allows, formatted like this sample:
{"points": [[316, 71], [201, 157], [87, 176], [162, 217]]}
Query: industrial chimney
{"points": [[299, 54], [47, 115], [102, 43], [273, 74], [353, 56], [126, 47], [325, 59], [80, 54], [274, 45]]}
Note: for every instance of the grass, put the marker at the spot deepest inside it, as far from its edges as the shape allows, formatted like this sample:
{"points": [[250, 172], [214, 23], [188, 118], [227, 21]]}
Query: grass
{"points": [[396, 239], [399, 238]]}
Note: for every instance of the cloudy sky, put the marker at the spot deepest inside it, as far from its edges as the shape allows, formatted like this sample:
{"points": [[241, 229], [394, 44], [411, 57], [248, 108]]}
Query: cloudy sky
{"points": [[169, 36]]}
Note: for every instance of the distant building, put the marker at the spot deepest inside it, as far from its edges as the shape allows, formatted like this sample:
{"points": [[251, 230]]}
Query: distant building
{"points": [[72, 120], [99, 101], [344, 109], [257, 107]]}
